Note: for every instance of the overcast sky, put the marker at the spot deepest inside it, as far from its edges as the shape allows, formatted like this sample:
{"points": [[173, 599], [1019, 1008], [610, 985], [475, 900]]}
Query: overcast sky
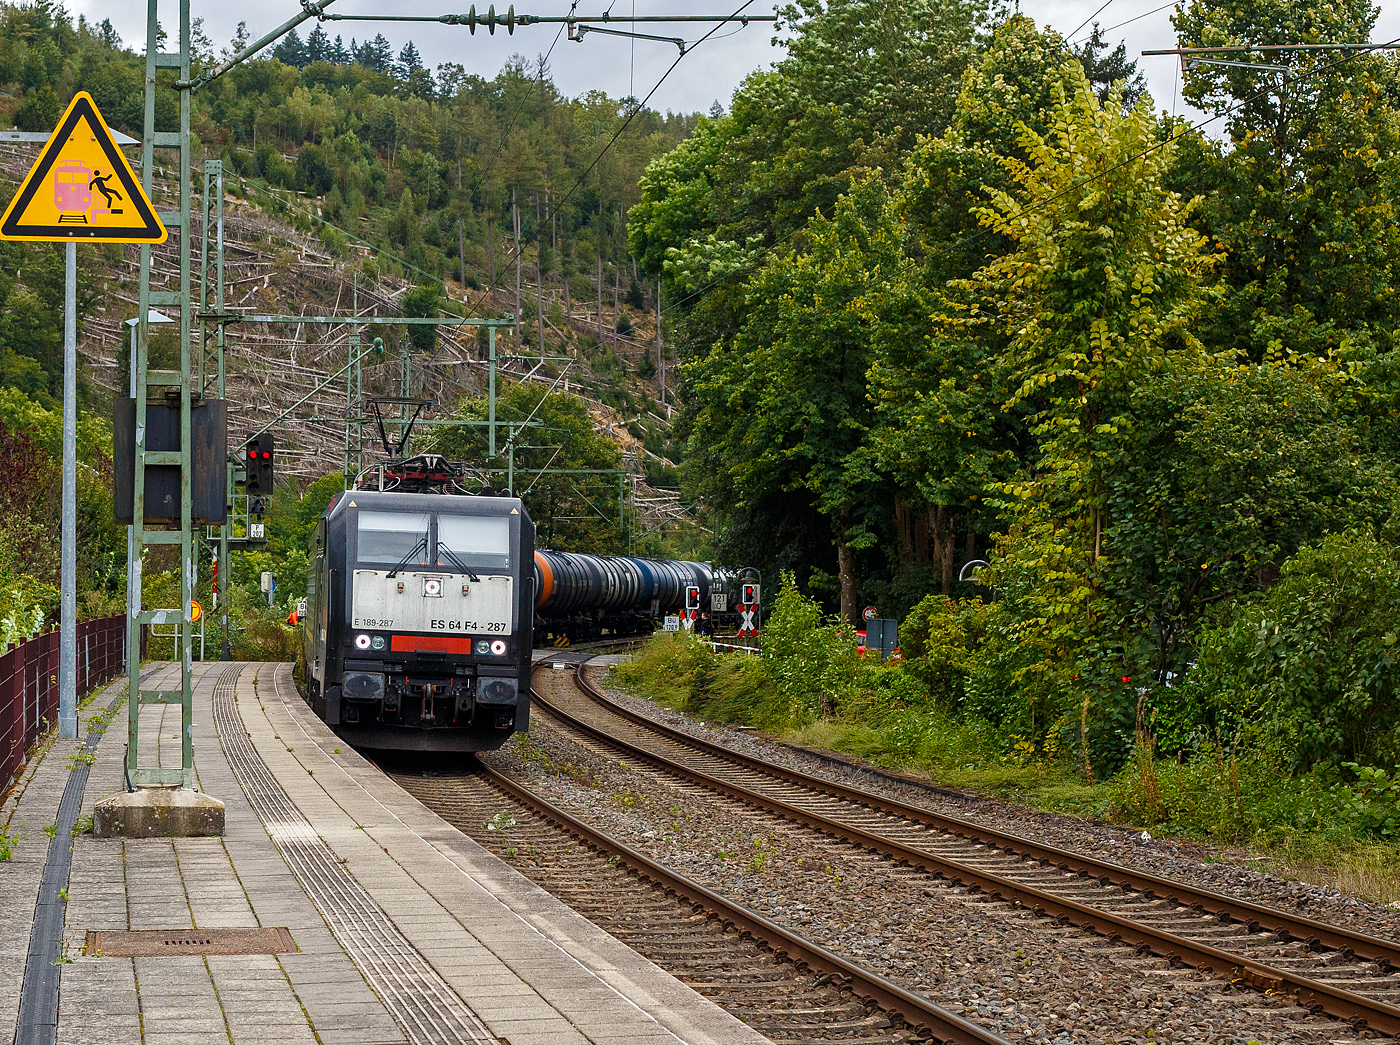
{"points": [[621, 67]]}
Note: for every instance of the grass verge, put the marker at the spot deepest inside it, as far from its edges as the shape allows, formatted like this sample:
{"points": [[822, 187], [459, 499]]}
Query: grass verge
{"points": [[1307, 827]]}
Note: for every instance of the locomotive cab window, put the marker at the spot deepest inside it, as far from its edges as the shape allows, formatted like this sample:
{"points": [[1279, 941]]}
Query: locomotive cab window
{"points": [[477, 541], [390, 538]]}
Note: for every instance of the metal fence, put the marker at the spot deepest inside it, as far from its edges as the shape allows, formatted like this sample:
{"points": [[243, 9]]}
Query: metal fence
{"points": [[29, 684]]}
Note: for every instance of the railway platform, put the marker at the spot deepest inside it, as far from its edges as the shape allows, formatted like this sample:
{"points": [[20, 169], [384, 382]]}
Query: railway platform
{"points": [[334, 909]]}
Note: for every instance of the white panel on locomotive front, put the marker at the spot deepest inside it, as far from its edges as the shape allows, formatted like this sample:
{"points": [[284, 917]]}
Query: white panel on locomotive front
{"points": [[433, 602]]}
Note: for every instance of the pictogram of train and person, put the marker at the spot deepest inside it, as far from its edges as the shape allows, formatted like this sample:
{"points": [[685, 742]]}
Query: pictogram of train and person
{"points": [[75, 188]]}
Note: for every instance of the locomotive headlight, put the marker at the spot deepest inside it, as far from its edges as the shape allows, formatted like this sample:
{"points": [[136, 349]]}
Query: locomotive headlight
{"points": [[499, 647], [362, 642], [483, 647], [378, 642], [432, 587]]}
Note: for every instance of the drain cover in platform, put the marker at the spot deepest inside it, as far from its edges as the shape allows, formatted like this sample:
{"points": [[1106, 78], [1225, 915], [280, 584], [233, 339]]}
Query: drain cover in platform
{"points": [[112, 943]]}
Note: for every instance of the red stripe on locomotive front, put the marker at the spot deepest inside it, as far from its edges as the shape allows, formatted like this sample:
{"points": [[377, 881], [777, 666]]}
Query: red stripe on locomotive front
{"points": [[430, 644]]}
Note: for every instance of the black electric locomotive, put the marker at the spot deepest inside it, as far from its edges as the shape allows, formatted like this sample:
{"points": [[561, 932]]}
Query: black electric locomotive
{"points": [[419, 621]]}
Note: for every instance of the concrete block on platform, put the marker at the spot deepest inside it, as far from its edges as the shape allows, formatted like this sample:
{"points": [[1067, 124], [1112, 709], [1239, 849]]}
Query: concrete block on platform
{"points": [[158, 812]]}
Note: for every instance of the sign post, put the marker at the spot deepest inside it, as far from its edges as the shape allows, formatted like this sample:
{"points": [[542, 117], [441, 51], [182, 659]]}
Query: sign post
{"points": [[69, 196], [68, 527]]}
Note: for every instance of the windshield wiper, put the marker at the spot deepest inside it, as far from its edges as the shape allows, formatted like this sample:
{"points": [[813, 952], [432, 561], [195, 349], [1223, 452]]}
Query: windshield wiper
{"points": [[422, 543], [461, 566]]}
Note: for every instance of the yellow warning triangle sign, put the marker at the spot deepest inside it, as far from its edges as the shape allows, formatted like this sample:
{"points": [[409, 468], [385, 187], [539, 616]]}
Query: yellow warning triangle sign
{"points": [[81, 188]]}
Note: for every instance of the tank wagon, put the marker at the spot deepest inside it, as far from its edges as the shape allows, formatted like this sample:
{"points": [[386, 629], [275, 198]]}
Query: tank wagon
{"points": [[423, 610], [582, 597]]}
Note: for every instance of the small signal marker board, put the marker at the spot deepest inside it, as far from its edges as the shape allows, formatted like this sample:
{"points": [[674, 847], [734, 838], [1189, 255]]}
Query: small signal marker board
{"points": [[81, 188]]}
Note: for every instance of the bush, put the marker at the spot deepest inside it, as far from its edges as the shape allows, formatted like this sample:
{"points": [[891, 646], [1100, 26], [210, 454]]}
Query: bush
{"points": [[334, 241], [680, 671], [266, 636], [941, 640], [1232, 795], [1315, 664], [1373, 804], [811, 661], [26, 607]]}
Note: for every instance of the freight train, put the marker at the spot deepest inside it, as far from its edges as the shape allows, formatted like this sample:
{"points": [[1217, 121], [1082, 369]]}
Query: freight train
{"points": [[422, 611]]}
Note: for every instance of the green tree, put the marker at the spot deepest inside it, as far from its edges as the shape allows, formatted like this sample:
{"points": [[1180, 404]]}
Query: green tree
{"points": [[39, 112], [783, 405], [1301, 202], [1091, 307], [1231, 470], [862, 80], [425, 302]]}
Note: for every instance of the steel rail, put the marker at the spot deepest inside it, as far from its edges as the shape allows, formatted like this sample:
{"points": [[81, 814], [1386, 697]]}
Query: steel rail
{"points": [[1255, 917], [914, 1009], [1312, 994]]}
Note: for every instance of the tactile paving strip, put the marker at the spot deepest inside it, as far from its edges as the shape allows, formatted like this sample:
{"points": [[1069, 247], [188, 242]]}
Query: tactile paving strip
{"points": [[154, 943], [425, 1006]]}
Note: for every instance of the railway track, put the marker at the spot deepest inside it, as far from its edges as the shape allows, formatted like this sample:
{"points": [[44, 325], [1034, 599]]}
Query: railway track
{"points": [[787, 988], [1326, 969]]}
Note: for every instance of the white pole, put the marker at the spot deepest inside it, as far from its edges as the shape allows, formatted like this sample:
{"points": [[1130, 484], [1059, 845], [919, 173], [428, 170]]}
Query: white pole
{"points": [[68, 582]]}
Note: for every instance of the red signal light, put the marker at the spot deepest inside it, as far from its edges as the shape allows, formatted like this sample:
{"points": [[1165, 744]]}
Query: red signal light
{"points": [[1125, 678]]}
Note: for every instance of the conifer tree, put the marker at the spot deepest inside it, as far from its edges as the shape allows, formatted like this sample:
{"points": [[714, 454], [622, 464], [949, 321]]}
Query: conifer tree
{"points": [[291, 50], [318, 45], [410, 61]]}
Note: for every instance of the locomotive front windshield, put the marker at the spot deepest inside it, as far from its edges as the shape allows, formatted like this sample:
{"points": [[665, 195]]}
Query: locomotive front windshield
{"points": [[479, 541], [390, 538], [460, 543]]}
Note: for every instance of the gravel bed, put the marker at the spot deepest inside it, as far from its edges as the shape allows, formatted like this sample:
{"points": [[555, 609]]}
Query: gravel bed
{"points": [[1016, 974], [1196, 864]]}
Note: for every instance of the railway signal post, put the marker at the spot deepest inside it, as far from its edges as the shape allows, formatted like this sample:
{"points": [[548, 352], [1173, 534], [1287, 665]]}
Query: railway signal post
{"points": [[692, 606], [176, 447], [748, 609]]}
